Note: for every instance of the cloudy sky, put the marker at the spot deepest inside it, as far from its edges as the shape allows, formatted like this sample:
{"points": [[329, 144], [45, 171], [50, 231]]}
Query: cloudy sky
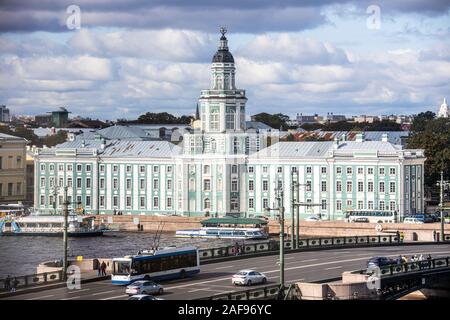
{"points": [[314, 56]]}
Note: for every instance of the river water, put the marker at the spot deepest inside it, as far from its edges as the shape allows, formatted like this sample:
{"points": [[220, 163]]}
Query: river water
{"points": [[20, 255]]}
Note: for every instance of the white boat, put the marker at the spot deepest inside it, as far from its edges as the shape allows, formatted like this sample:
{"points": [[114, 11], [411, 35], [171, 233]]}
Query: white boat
{"points": [[49, 225], [223, 233]]}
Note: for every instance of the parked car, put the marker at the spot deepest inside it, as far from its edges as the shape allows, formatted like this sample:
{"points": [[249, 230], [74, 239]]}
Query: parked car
{"points": [[412, 220], [144, 287], [312, 218], [248, 277], [143, 297], [380, 262]]}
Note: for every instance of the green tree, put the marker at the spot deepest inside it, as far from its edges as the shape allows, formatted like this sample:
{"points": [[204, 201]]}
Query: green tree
{"points": [[276, 121], [432, 135]]}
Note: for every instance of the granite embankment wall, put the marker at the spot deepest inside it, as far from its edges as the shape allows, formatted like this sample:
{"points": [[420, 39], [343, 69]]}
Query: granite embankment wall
{"points": [[412, 232]]}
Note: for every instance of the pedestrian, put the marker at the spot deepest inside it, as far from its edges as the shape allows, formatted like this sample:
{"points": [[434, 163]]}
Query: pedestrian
{"points": [[398, 236], [404, 259], [434, 235], [399, 259], [8, 283], [99, 269], [103, 267], [421, 257], [15, 282]]}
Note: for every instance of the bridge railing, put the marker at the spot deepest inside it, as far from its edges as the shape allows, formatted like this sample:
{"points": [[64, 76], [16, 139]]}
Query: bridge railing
{"points": [[261, 293], [31, 280], [273, 245]]}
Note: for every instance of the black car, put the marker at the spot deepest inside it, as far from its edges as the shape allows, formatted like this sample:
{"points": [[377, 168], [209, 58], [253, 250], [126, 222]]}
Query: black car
{"points": [[380, 262]]}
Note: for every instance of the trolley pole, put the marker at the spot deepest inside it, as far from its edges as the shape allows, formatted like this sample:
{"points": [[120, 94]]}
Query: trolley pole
{"points": [[281, 210], [294, 223], [65, 234], [441, 205]]}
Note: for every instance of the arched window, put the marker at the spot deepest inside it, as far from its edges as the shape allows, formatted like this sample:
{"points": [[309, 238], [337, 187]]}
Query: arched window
{"points": [[207, 204], [206, 169]]}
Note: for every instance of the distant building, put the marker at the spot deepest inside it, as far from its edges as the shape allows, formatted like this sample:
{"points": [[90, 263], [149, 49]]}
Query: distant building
{"points": [[302, 119], [444, 111], [12, 168], [364, 118], [330, 117], [60, 117], [4, 114], [43, 120]]}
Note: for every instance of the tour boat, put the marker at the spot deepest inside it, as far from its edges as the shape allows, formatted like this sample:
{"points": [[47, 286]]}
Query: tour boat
{"points": [[37, 224], [228, 228]]}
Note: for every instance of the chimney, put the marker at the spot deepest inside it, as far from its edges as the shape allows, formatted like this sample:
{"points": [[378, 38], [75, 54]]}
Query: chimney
{"points": [[336, 144], [103, 145], [384, 137], [83, 144], [359, 137], [344, 137]]}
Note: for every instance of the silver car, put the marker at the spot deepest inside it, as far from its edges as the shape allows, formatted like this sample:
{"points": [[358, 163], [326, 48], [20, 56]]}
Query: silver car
{"points": [[144, 287], [248, 277], [143, 297]]}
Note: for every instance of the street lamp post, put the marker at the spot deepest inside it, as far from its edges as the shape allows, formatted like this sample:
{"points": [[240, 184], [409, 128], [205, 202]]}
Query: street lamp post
{"points": [[280, 209], [65, 235], [442, 184]]}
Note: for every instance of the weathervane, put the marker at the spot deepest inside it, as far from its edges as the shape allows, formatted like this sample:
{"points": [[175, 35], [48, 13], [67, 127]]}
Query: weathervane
{"points": [[223, 30]]}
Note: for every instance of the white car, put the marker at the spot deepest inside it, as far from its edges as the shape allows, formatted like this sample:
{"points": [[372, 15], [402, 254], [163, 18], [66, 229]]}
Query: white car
{"points": [[412, 220], [144, 287], [312, 218], [248, 277], [143, 297]]}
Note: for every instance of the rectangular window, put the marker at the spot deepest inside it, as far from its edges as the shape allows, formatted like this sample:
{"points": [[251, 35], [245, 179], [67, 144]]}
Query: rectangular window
{"points": [[251, 203], [115, 183], [381, 170], [265, 185], [338, 205], [52, 167], [392, 205], [155, 183], [323, 170], [234, 169], [392, 187], [308, 169], [279, 169], [19, 188], [338, 170], [308, 185], [69, 182], [88, 182], [370, 186], [115, 168], [324, 186], [349, 170], [370, 205], [128, 184], [381, 205], [88, 168], [251, 185], [142, 169], [51, 182], [234, 185], [360, 205], [69, 167], [142, 184], [360, 170], [169, 202], [338, 186], [128, 201], [169, 169], [324, 204], [61, 182], [102, 201], [265, 203], [102, 183], [206, 185], [392, 171], [349, 186], [79, 200], [79, 167], [128, 169], [88, 201], [155, 169], [369, 170], [42, 166], [265, 169], [251, 169], [10, 189], [102, 168], [169, 184], [78, 182], [42, 202], [115, 201], [349, 204], [155, 202], [382, 189], [42, 182], [60, 167], [360, 186]]}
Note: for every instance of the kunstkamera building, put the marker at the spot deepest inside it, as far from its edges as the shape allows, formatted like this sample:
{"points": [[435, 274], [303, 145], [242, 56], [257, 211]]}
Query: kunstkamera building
{"points": [[224, 166]]}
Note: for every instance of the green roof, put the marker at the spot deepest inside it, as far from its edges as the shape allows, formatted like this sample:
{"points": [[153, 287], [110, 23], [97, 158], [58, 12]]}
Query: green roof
{"points": [[230, 220]]}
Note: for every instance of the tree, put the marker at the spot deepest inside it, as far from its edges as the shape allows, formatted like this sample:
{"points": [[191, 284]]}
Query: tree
{"points": [[276, 121], [162, 118], [432, 135]]}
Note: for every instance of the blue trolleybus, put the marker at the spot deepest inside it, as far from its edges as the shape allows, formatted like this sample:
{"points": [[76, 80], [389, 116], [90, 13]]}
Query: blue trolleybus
{"points": [[163, 264]]}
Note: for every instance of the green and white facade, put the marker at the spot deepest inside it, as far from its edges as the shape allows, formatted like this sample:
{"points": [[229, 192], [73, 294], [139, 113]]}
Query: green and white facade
{"points": [[222, 168]]}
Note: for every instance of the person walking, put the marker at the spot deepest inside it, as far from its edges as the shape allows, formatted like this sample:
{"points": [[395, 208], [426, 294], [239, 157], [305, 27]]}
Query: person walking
{"points": [[103, 268], [8, 283], [99, 269], [421, 257], [15, 282]]}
